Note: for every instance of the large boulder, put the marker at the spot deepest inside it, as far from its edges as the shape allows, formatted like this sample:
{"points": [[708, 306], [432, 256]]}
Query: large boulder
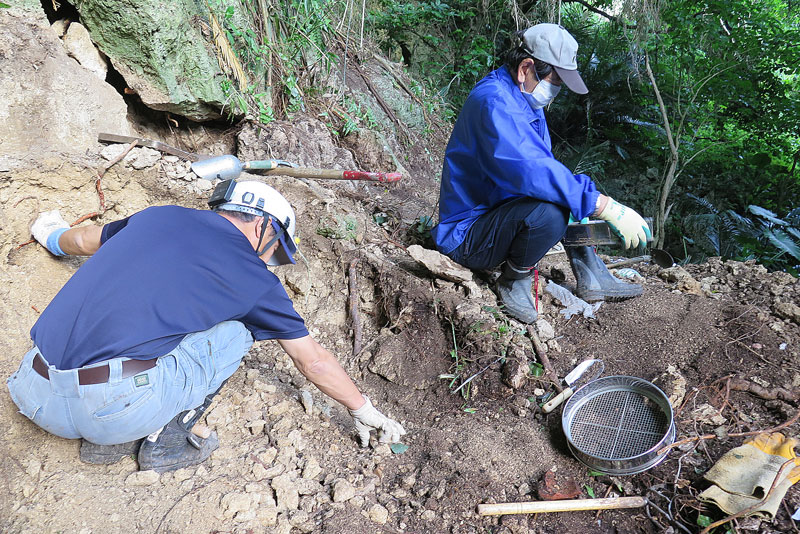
{"points": [[50, 104], [160, 50]]}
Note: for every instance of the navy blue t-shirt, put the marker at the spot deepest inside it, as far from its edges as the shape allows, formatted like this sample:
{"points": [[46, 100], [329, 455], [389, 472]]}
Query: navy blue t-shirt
{"points": [[159, 275]]}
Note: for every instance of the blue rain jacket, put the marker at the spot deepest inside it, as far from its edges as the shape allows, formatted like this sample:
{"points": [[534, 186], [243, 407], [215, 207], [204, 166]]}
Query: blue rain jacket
{"points": [[500, 150]]}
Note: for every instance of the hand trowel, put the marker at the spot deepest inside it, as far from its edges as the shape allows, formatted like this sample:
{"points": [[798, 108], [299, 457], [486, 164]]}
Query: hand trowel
{"points": [[585, 372]]}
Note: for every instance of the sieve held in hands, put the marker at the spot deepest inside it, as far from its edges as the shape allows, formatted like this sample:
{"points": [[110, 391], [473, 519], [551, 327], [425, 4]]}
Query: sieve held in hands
{"points": [[585, 372]]}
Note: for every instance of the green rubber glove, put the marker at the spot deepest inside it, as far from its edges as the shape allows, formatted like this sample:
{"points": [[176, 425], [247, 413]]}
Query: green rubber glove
{"points": [[626, 223]]}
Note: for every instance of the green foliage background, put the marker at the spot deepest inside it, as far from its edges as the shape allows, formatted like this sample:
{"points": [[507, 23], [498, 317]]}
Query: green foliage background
{"points": [[725, 141]]}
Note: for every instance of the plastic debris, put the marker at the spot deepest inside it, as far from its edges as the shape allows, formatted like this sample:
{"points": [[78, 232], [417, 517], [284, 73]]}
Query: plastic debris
{"points": [[627, 273], [398, 448], [574, 305], [796, 515]]}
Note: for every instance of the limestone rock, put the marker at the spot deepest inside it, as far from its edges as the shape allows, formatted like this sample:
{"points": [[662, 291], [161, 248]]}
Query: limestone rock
{"points": [[286, 492], [788, 310], [312, 469], [343, 491], [545, 330], [142, 478], [439, 264], [516, 369], [80, 46], [161, 52], [683, 280], [60, 26], [378, 514], [144, 158], [50, 104], [236, 502]]}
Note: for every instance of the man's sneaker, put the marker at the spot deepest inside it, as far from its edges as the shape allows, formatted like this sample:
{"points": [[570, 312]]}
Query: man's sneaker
{"points": [[174, 447], [92, 453]]}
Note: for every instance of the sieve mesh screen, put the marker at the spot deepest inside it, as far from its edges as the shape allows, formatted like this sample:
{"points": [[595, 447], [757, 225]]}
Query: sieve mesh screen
{"points": [[618, 424]]}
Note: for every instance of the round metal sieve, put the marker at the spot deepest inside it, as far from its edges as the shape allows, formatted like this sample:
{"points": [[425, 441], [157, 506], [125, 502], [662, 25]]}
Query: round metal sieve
{"points": [[617, 424]]}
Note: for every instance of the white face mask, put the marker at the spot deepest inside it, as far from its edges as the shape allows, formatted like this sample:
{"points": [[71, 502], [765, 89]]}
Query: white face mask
{"points": [[544, 93]]}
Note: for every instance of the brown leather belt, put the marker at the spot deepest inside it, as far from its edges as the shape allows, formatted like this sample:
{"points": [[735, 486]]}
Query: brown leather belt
{"points": [[99, 374]]}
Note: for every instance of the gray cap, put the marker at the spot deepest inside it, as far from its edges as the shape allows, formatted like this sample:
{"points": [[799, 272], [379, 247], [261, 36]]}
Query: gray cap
{"points": [[553, 44]]}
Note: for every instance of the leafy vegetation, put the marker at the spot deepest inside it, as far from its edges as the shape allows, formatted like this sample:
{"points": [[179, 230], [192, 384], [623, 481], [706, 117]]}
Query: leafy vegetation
{"points": [[688, 100]]}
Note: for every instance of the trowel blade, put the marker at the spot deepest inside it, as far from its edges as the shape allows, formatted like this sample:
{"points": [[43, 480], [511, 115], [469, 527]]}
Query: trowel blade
{"points": [[221, 167], [592, 369]]}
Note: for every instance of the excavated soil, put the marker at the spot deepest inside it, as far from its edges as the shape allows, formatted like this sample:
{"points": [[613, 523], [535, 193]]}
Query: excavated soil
{"points": [[288, 460]]}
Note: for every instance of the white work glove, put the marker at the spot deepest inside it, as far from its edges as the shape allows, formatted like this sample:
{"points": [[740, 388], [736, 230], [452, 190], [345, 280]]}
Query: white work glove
{"points": [[628, 225], [368, 418], [47, 228]]}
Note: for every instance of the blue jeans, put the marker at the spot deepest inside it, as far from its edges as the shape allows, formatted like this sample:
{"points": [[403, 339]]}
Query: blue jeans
{"points": [[522, 230], [125, 409]]}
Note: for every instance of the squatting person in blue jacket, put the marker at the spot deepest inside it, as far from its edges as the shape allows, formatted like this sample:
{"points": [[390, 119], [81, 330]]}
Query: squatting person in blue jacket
{"points": [[147, 331], [505, 198]]}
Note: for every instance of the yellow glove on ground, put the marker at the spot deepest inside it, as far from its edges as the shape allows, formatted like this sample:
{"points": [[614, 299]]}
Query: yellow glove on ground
{"points": [[743, 476], [628, 224]]}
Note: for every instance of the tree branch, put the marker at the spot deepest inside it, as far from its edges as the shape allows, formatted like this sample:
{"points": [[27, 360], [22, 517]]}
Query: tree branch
{"points": [[602, 13]]}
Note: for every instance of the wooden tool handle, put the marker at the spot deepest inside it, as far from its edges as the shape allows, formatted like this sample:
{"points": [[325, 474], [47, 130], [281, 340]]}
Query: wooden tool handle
{"points": [[556, 401], [333, 174], [575, 505]]}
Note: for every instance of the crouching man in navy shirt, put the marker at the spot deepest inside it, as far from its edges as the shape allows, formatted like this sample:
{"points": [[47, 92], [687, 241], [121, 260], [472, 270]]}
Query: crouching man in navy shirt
{"points": [[148, 330]]}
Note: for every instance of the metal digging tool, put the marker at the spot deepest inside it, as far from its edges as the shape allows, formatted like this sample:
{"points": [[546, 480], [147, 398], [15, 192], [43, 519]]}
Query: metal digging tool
{"points": [[584, 373], [158, 145], [229, 168]]}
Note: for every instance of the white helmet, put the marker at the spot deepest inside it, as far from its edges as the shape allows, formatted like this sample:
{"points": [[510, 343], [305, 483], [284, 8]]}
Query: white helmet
{"points": [[260, 199]]}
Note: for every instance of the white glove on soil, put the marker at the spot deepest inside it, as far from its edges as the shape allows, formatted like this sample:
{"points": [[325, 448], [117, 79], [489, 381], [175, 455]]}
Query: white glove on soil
{"points": [[47, 228], [368, 418], [628, 224]]}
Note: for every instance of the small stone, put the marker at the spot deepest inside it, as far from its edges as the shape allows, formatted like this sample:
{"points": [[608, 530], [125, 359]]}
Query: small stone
{"points": [[285, 492], [554, 487], [112, 152], [267, 516], [280, 408], [144, 158], [142, 478], [307, 400], [473, 290], [256, 427], [60, 27], [268, 456], [440, 264], [251, 376], [182, 474], [236, 502], [383, 449], [545, 330], [343, 491], [408, 481], [171, 159], [34, 468], [312, 469], [428, 515], [27, 490], [378, 514], [80, 46], [306, 486], [203, 185], [298, 518]]}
